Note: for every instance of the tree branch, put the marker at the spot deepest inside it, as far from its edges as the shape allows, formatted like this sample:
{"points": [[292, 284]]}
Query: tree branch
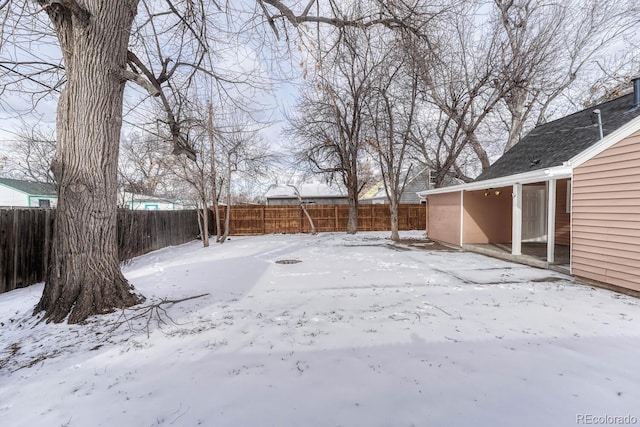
{"points": [[180, 144], [137, 78], [362, 22], [71, 5], [149, 311], [270, 20]]}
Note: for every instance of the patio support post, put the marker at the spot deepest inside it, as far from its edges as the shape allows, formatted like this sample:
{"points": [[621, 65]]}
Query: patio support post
{"points": [[551, 220], [516, 221]]}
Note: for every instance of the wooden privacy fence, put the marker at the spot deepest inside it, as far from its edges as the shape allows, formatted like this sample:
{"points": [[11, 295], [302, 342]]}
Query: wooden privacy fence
{"points": [[25, 234], [251, 220], [140, 232], [25, 239]]}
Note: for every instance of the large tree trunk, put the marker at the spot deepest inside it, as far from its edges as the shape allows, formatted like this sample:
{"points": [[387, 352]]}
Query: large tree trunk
{"points": [[351, 182], [352, 221], [516, 108], [84, 276], [393, 211]]}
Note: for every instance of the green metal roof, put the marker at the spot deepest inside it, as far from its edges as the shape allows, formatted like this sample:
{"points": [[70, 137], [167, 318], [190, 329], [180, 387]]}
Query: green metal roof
{"points": [[28, 187]]}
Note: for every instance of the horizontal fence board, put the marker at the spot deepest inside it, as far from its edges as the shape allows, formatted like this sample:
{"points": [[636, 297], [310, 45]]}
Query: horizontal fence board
{"points": [[26, 234], [254, 220]]}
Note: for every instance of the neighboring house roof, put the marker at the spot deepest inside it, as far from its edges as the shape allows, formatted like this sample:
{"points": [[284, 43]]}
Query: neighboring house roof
{"points": [[415, 185], [28, 187], [556, 142], [316, 190]]}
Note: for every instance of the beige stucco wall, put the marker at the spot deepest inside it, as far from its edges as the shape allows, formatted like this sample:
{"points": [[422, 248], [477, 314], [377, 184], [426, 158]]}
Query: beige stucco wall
{"points": [[487, 219], [606, 216], [443, 212]]}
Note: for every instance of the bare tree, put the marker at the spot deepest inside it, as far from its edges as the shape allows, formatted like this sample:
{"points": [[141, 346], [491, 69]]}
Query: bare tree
{"points": [[243, 152], [615, 80], [492, 80], [100, 56], [332, 115], [392, 111], [145, 165], [456, 72], [31, 154], [303, 206], [545, 47], [197, 174], [215, 192]]}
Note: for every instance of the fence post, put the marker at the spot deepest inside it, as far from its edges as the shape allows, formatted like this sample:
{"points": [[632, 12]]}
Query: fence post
{"points": [[335, 210], [300, 218], [47, 220], [15, 249], [264, 227]]}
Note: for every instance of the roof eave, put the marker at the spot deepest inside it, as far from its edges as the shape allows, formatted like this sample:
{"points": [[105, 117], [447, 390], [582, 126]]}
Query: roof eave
{"points": [[557, 172], [614, 137]]}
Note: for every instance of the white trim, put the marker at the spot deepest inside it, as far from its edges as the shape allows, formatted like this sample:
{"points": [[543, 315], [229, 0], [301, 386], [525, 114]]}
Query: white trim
{"points": [[557, 172], [613, 138], [541, 195], [571, 230], [461, 218], [551, 220], [516, 220]]}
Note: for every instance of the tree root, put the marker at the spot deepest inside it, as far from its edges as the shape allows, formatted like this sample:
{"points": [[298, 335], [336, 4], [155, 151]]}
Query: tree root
{"points": [[150, 312]]}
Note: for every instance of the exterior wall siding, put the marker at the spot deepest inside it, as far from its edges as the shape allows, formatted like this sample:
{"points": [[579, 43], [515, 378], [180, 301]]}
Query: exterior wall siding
{"points": [[10, 197], [563, 218], [443, 222], [606, 216], [487, 219]]}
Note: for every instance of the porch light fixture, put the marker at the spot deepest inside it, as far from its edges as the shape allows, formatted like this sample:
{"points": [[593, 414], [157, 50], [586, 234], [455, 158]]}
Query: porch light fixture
{"points": [[497, 192], [486, 193]]}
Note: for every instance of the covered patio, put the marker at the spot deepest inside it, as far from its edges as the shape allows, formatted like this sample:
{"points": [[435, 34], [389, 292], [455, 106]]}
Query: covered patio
{"points": [[532, 253], [526, 221]]}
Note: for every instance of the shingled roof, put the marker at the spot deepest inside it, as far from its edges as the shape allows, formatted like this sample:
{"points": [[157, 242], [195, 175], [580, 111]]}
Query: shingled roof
{"points": [[553, 143], [32, 188]]}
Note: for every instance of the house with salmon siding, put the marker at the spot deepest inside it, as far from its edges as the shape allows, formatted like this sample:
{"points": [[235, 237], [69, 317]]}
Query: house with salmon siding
{"points": [[566, 197]]}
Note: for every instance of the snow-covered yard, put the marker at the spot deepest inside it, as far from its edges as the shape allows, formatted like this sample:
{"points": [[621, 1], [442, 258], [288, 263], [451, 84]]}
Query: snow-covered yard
{"points": [[359, 333]]}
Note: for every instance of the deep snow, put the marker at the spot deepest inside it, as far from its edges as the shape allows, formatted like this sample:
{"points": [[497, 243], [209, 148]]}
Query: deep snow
{"points": [[359, 333]]}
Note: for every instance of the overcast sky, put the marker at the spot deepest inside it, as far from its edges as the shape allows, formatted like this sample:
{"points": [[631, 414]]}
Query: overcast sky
{"points": [[20, 109]]}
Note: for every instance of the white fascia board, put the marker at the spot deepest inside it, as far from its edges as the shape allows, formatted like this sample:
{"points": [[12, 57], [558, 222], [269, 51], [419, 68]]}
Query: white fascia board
{"points": [[614, 137], [49, 196], [557, 172]]}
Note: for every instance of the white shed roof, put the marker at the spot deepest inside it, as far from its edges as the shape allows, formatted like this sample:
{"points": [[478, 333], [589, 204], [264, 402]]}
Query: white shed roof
{"points": [[306, 191]]}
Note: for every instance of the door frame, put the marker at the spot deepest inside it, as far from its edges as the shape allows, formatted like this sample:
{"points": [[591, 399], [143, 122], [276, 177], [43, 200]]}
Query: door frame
{"points": [[542, 211]]}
